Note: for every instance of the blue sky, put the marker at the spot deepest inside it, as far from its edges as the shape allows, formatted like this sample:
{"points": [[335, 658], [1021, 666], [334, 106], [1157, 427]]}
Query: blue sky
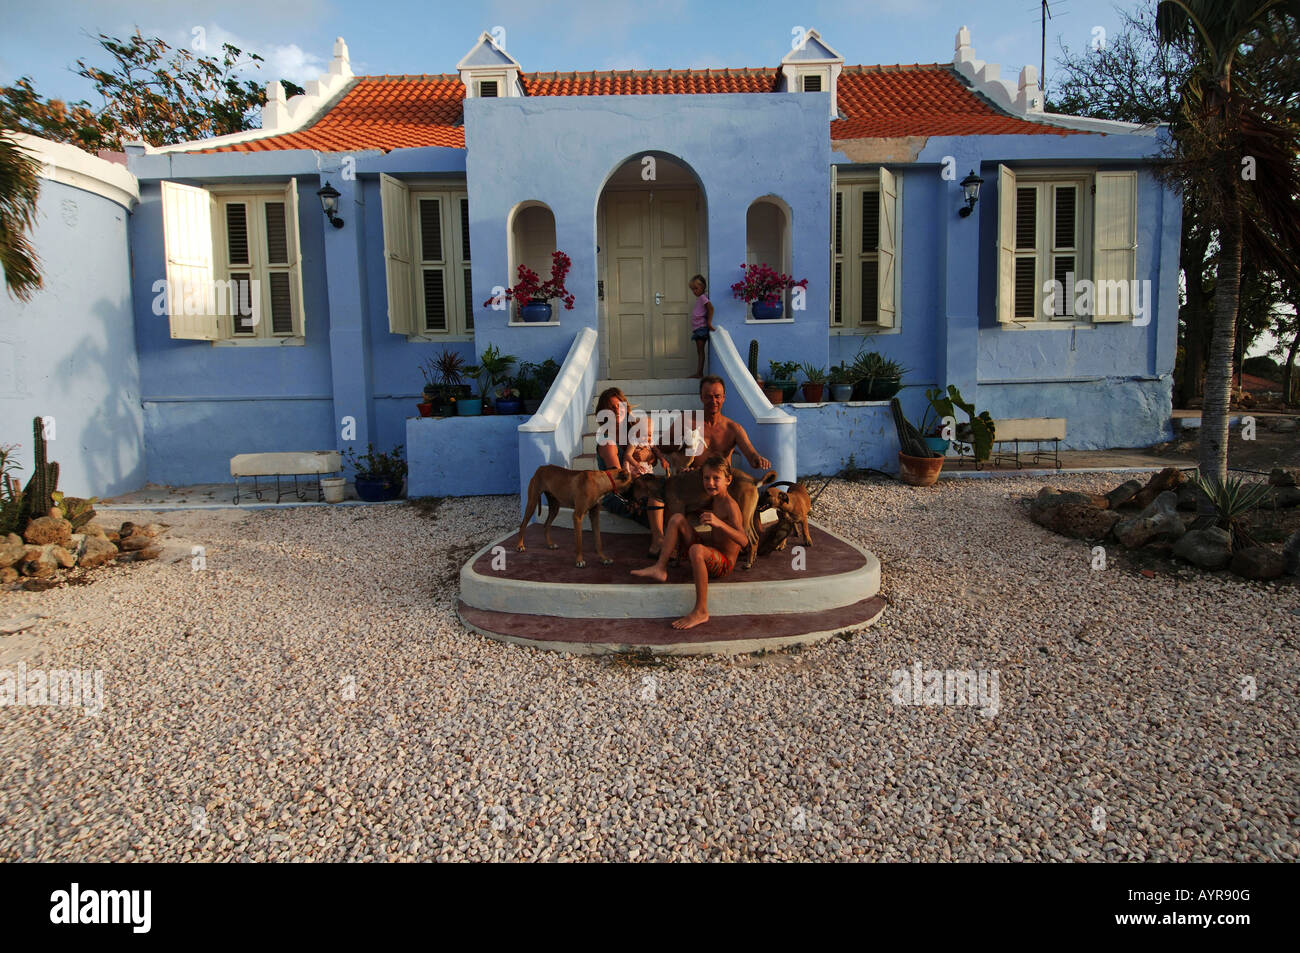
{"points": [[44, 39]]}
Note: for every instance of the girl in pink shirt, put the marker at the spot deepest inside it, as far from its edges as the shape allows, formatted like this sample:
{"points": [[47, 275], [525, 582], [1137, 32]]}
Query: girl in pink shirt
{"points": [[701, 319]]}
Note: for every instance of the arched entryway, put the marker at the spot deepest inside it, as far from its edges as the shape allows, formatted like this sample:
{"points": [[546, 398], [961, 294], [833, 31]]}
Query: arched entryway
{"points": [[652, 238]]}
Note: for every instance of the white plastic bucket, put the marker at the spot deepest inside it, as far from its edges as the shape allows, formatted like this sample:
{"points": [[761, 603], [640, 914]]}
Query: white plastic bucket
{"points": [[332, 487]]}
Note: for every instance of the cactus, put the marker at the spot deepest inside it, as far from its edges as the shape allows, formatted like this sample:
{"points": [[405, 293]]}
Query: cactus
{"points": [[753, 359], [75, 510], [38, 495], [11, 514]]}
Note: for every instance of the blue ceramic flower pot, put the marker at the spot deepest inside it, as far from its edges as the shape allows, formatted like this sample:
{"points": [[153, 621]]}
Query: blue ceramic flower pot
{"points": [[469, 406], [509, 405], [377, 491], [536, 312], [768, 312], [937, 443]]}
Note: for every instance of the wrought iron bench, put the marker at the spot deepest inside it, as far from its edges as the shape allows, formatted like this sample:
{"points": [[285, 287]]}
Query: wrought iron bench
{"points": [[294, 464]]}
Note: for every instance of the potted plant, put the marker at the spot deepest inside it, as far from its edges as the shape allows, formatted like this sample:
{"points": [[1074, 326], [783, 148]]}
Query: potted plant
{"points": [[443, 381], [815, 385], [379, 476], [509, 399], [764, 288], [528, 387], [878, 378], [841, 380], [492, 370], [978, 430], [781, 375], [918, 465], [533, 296]]}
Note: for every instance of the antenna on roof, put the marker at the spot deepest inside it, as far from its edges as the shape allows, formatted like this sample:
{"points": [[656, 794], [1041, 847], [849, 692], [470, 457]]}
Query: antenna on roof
{"points": [[1044, 16]]}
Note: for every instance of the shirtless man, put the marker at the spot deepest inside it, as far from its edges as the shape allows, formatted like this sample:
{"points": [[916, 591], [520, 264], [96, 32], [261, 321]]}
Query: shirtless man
{"points": [[723, 434]]}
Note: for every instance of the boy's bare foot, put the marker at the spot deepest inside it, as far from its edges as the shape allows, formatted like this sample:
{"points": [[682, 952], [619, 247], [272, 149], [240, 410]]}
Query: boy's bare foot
{"points": [[691, 620], [652, 572]]}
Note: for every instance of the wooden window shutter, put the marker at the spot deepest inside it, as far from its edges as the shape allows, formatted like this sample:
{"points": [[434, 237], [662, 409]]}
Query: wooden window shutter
{"points": [[887, 247], [1006, 245], [187, 247], [396, 208], [1114, 245], [291, 285]]}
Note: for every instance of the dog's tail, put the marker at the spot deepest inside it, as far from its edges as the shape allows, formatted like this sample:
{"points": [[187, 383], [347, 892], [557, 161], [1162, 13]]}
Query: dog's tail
{"points": [[767, 478]]}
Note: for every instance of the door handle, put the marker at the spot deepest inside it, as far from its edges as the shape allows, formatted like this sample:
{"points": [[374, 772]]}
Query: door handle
{"points": [[659, 297]]}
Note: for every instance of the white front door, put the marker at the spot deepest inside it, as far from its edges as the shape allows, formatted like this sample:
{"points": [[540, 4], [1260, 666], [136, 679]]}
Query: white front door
{"points": [[652, 255]]}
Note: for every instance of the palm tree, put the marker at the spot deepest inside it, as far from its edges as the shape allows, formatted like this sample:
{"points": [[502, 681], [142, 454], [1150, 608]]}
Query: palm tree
{"points": [[19, 187], [1241, 165]]}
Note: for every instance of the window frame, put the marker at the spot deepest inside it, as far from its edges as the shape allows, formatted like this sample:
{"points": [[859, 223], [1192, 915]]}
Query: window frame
{"points": [[1045, 182], [255, 198], [457, 297], [853, 184]]}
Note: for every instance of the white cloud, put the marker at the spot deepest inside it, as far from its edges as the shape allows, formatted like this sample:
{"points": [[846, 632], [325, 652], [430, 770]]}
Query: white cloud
{"points": [[281, 60]]}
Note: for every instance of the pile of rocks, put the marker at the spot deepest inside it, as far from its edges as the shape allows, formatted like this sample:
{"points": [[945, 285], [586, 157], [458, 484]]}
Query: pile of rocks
{"points": [[1153, 521], [48, 545]]}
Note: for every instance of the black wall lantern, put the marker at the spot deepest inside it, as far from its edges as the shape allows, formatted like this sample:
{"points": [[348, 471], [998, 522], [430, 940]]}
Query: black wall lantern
{"points": [[329, 201], [971, 185]]}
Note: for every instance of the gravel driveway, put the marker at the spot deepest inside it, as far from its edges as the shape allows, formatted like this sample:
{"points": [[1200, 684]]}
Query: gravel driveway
{"points": [[310, 695]]}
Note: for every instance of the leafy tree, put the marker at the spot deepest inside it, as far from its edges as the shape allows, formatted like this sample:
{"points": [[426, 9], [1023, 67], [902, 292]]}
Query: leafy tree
{"points": [[1238, 161], [19, 188], [150, 92]]}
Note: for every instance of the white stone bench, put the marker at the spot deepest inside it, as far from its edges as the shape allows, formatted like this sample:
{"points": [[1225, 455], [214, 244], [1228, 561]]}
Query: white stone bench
{"points": [[294, 464], [1035, 430]]}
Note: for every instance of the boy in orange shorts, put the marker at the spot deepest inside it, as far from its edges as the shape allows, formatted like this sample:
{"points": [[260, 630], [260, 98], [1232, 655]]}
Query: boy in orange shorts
{"points": [[713, 559]]}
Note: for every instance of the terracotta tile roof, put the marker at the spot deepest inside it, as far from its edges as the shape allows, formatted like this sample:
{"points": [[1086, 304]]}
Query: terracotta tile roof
{"points": [[921, 100], [665, 82], [380, 112], [400, 112]]}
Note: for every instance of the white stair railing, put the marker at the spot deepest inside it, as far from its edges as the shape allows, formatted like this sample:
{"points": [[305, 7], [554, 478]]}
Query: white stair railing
{"points": [[554, 434]]}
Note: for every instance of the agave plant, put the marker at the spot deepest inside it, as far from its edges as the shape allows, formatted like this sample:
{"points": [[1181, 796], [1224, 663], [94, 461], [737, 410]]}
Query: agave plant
{"points": [[1232, 499]]}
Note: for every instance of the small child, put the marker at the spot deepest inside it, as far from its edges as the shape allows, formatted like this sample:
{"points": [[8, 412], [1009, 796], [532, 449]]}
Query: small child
{"points": [[708, 560], [642, 454], [701, 319]]}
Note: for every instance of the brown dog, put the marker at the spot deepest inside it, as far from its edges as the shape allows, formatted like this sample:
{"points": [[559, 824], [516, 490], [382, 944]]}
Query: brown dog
{"points": [[795, 504], [581, 489], [685, 491]]}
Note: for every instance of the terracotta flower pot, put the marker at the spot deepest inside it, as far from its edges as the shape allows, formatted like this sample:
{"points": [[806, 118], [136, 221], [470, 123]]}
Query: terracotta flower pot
{"points": [[775, 395], [812, 392], [426, 408], [919, 471]]}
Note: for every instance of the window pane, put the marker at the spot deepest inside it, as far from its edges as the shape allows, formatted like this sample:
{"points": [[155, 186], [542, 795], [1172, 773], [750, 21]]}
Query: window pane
{"points": [[1026, 218], [839, 293], [237, 234], [277, 241], [464, 230], [243, 324], [1026, 288], [281, 303], [870, 220], [839, 223], [435, 300], [1066, 203], [870, 291], [430, 230], [1063, 271], [468, 299]]}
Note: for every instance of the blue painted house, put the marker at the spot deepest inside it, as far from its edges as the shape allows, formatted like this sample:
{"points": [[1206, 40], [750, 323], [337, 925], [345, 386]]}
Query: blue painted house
{"points": [[1054, 295]]}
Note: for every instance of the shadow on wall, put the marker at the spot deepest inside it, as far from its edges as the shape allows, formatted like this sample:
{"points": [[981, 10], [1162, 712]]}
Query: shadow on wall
{"points": [[111, 432]]}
